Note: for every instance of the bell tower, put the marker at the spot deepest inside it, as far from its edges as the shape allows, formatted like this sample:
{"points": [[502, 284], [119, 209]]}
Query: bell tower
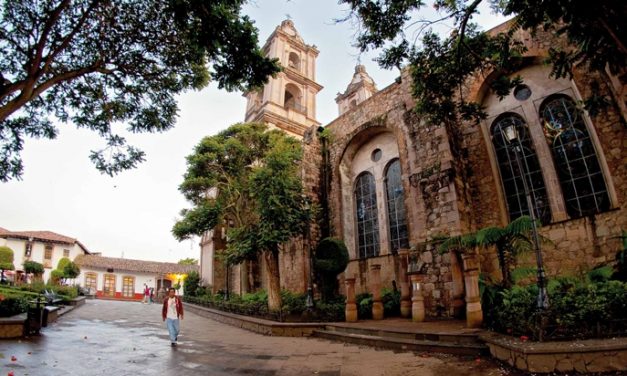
{"points": [[287, 101]]}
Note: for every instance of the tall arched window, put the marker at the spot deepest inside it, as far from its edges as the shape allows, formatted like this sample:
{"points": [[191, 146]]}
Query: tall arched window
{"points": [[514, 158], [294, 61], [396, 207], [576, 160], [292, 97], [367, 215]]}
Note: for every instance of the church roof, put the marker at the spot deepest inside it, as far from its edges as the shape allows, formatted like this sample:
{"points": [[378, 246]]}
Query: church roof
{"points": [[360, 78], [115, 263]]}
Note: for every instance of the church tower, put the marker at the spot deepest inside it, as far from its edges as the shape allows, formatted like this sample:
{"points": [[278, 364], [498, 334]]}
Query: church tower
{"points": [[361, 87], [287, 101]]}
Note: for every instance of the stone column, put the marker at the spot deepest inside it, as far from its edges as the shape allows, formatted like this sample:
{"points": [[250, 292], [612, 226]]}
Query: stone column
{"points": [[457, 276], [474, 313], [377, 306], [417, 300], [404, 282], [351, 305]]}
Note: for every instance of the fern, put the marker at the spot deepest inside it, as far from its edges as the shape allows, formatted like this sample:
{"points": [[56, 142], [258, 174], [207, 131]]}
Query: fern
{"points": [[518, 274], [600, 274]]}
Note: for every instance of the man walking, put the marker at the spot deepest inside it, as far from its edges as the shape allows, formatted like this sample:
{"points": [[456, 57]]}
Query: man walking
{"points": [[171, 313]]}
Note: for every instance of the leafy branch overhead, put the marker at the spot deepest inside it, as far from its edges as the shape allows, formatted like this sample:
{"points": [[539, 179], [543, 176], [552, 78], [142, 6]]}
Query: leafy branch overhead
{"points": [[439, 66], [107, 65]]}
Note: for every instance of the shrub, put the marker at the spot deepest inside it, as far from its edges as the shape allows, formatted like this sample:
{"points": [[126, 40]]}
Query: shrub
{"points": [[13, 305], [192, 283], [71, 270], [331, 259], [391, 300], [6, 259], [55, 277], [364, 305], [33, 267], [68, 292]]}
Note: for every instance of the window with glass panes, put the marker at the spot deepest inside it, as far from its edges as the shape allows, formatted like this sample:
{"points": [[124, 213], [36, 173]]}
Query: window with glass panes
{"points": [[128, 286], [518, 160], [367, 216], [576, 162], [91, 281], [396, 207], [108, 287]]}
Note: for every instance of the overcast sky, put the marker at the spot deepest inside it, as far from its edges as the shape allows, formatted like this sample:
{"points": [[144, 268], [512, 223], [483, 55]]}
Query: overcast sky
{"points": [[131, 214]]}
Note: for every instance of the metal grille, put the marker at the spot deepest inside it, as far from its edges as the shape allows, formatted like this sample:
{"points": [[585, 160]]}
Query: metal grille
{"points": [[396, 207], [576, 160], [367, 216], [511, 172]]}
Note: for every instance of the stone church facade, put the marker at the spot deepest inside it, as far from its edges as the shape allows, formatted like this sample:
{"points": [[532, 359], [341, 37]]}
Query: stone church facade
{"points": [[387, 181]]}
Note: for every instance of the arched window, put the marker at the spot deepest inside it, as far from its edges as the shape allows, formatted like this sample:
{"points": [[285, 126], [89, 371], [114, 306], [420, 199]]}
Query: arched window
{"points": [[515, 157], [292, 97], [367, 215], [294, 61], [576, 160], [396, 207]]}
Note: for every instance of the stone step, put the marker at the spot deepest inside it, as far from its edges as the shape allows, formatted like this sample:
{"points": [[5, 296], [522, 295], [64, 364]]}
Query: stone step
{"points": [[472, 337], [403, 344]]}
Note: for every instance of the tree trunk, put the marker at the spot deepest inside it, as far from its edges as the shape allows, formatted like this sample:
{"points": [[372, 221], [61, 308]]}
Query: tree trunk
{"points": [[274, 279]]}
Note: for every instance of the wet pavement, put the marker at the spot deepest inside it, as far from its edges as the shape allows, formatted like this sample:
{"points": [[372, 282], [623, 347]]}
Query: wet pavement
{"points": [[128, 338]]}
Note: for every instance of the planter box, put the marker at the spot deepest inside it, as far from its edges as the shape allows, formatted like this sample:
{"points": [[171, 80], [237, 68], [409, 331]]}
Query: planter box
{"points": [[13, 327], [584, 356]]}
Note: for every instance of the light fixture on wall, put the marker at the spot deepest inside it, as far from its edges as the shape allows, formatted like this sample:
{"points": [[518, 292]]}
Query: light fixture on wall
{"points": [[513, 138]]}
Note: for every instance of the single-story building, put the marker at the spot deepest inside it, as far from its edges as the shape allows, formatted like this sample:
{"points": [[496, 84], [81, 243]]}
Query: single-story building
{"points": [[124, 279]]}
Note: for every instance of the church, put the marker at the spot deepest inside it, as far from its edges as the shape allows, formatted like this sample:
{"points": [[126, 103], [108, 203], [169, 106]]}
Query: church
{"points": [[388, 182]]}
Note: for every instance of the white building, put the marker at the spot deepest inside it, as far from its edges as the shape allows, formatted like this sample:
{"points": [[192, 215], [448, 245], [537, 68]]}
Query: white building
{"points": [[44, 247], [119, 278]]}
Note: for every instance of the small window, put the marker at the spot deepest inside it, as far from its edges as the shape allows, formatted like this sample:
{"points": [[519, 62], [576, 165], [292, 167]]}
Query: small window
{"points": [[376, 155], [48, 253], [66, 253], [294, 61], [28, 249]]}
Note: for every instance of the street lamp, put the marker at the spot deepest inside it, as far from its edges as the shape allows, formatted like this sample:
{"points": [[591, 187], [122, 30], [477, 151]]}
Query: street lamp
{"points": [[513, 139]]}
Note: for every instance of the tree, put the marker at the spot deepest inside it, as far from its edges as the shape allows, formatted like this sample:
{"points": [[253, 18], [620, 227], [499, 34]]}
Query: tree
{"points": [[439, 67], [6, 260], [188, 261], [331, 259], [71, 270], [56, 276], [33, 267], [63, 261], [246, 179], [102, 63], [191, 283]]}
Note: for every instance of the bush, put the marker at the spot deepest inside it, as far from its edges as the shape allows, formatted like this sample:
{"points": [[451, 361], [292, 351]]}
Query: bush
{"points": [[33, 267], [331, 259], [71, 270], [391, 300], [364, 305], [13, 305], [192, 283], [6, 259], [55, 277]]}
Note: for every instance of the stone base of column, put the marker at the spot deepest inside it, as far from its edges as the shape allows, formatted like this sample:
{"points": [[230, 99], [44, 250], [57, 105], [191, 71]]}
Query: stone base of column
{"points": [[377, 311], [474, 315], [417, 309], [351, 312], [405, 308]]}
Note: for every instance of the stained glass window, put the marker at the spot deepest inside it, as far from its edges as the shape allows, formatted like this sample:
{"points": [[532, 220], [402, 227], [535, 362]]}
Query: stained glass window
{"points": [[396, 207], [576, 161], [513, 159], [367, 216]]}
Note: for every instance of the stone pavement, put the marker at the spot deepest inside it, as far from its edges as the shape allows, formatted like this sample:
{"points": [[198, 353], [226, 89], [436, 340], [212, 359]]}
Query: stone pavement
{"points": [[128, 338]]}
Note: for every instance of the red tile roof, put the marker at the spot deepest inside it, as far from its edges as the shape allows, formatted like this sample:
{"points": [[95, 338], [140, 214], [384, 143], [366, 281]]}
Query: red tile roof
{"points": [[43, 236], [101, 262]]}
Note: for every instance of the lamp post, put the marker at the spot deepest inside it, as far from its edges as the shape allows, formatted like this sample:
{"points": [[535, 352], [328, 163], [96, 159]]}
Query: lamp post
{"points": [[513, 138]]}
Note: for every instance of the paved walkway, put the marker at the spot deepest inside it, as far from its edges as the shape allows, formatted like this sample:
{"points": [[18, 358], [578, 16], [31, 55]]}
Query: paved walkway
{"points": [[126, 338]]}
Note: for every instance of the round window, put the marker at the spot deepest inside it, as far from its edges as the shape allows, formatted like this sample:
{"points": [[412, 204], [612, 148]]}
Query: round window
{"points": [[376, 155], [522, 92]]}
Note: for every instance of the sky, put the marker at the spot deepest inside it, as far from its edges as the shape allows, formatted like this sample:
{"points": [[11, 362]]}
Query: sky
{"points": [[131, 214]]}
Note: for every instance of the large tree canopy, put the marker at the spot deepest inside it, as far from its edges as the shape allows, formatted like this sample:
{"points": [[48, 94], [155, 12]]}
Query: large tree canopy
{"points": [[246, 179], [596, 32], [109, 64]]}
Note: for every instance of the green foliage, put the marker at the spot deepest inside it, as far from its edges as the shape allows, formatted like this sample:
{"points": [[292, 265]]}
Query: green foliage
{"points": [[600, 274], [620, 270], [33, 267], [188, 261], [191, 283], [13, 305], [391, 300], [439, 67], [246, 179], [71, 270], [55, 276], [63, 262], [6, 258], [331, 259], [99, 63], [364, 305]]}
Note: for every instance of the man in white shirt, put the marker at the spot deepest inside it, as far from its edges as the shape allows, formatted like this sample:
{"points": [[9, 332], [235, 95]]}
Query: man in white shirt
{"points": [[171, 313]]}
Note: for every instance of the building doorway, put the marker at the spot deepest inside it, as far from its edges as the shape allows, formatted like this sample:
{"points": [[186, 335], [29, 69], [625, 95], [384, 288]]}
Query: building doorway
{"points": [[109, 285]]}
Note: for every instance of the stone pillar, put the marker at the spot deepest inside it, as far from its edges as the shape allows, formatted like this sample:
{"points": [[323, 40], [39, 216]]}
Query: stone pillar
{"points": [[404, 282], [351, 305], [474, 314], [417, 300], [377, 306], [457, 276]]}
